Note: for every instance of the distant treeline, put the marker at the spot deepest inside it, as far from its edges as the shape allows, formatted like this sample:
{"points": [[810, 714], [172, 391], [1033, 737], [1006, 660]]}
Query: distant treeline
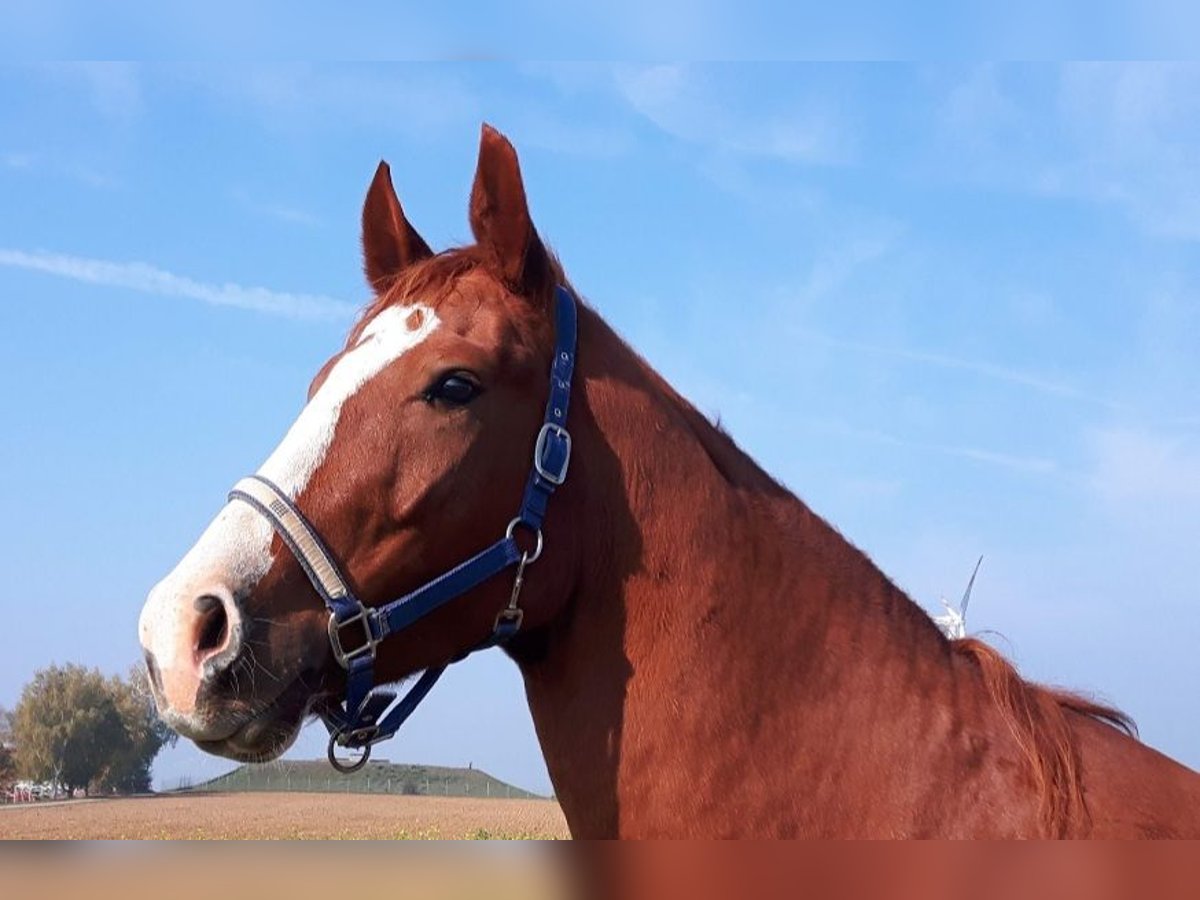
{"points": [[376, 777]]}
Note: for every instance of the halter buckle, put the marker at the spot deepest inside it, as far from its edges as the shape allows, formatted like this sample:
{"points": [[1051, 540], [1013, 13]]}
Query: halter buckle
{"points": [[367, 649], [550, 436], [508, 621]]}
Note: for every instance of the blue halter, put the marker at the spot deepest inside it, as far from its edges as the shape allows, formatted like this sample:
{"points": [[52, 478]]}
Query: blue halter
{"points": [[367, 715]]}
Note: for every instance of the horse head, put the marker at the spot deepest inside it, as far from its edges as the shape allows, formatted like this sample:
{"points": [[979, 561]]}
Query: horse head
{"points": [[411, 453]]}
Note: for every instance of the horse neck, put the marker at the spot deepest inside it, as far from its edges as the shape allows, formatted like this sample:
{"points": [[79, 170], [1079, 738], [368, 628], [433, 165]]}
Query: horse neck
{"points": [[713, 614]]}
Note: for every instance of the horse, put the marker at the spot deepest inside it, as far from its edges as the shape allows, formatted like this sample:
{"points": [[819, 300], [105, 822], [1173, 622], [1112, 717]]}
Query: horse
{"points": [[702, 654]]}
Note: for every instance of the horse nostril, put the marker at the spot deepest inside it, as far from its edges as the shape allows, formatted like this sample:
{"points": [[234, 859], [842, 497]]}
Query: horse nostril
{"points": [[213, 631]]}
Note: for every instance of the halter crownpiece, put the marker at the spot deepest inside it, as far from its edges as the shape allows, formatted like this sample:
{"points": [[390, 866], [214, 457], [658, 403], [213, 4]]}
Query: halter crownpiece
{"points": [[367, 716]]}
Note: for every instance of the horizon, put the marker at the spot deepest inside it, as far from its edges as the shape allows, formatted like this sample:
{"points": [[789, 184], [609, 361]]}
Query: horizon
{"points": [[357, 782], [952, 307]]}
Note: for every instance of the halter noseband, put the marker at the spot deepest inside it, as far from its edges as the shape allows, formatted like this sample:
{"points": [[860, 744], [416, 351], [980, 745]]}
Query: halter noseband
{"points": [[367, 716]]}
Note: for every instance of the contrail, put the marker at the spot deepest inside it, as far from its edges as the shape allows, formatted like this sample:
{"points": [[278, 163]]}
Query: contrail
{"points": [[148, 279], [987, 370]]}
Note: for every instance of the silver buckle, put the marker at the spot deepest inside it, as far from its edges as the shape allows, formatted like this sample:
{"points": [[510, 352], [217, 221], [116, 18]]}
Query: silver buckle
{"points": [[345, 657], [509, 614], [555, 478]]}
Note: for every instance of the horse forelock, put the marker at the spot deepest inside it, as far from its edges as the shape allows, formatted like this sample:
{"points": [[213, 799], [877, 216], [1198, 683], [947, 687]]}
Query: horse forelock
{"points": [[434, 281]]}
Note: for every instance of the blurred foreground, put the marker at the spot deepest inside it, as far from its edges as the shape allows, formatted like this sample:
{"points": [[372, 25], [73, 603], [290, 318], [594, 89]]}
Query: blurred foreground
{"points": [[583, 871]]}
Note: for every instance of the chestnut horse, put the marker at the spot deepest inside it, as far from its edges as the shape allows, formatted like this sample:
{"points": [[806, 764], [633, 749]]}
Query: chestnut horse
{"points": [[702, 654]]}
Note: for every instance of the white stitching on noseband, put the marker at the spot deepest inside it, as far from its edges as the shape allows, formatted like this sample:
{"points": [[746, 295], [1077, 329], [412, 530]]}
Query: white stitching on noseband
{"points": [[307, 546]]}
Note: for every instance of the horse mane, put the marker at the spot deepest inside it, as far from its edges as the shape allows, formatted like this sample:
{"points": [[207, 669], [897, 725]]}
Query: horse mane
{"points": [[1036, 717], [431, 279]]}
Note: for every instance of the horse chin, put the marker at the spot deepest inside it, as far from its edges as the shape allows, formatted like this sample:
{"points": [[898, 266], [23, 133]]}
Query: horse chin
{"points": [[267, 735], [257, 741]]}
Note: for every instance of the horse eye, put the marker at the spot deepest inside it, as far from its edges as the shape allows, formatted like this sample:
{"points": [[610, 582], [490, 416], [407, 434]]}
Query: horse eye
{"points": [[456, 389]]}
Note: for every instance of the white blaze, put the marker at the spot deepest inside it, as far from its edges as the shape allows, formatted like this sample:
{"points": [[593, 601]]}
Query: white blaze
{"points": [[234, 552]]}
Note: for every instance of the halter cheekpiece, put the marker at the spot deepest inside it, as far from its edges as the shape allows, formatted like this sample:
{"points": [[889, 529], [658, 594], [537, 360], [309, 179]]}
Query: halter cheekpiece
{"points": [[369, 715]]}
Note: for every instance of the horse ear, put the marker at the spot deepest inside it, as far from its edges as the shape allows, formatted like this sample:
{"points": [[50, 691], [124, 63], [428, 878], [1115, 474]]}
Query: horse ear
{"points": [[500, 217], [390, 243]]}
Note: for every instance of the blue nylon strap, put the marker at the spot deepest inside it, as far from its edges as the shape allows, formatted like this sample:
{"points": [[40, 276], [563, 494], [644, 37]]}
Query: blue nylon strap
{"points": [[360, 681], [552, 456], [554, 443], [362, 706], [411, 700], [501, 632], [563, 367], [367, 716], [399, 614]]}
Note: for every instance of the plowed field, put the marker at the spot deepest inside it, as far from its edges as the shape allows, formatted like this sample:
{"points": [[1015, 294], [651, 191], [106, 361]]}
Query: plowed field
{"points": [[285, 817]]}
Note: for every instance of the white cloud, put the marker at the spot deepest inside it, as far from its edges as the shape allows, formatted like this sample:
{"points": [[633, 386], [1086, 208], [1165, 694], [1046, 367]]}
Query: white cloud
{"points": [[147, 279], [531, 127], [114, 88], [82, 173], [1028, 465], [413, 100], [1137, 134], [1134, 466], [92, 178], [691, 105], [572, 79], [290, 215], [1119, 134], [977, 108], [13, 160], [846, 257]]}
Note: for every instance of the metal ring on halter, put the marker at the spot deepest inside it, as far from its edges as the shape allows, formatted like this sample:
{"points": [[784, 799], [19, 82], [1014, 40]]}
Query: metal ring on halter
{"points": [[341, 766], [537, 550]]}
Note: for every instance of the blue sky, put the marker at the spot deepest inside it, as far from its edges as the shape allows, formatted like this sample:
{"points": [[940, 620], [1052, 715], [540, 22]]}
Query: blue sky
{"points": [[615, 29], [953, 306]]}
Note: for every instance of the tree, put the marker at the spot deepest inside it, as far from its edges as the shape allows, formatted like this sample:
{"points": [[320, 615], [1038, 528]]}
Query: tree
{"points": [[76, 728], [128, 771], [8, 762], [66, 726]]}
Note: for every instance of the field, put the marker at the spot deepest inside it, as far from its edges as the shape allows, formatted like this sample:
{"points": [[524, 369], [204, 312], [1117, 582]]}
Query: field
{"points": [[285, 816]]}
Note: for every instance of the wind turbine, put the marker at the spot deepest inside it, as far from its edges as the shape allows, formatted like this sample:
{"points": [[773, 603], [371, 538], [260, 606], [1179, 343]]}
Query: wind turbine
{"points": [[954, 622]]}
